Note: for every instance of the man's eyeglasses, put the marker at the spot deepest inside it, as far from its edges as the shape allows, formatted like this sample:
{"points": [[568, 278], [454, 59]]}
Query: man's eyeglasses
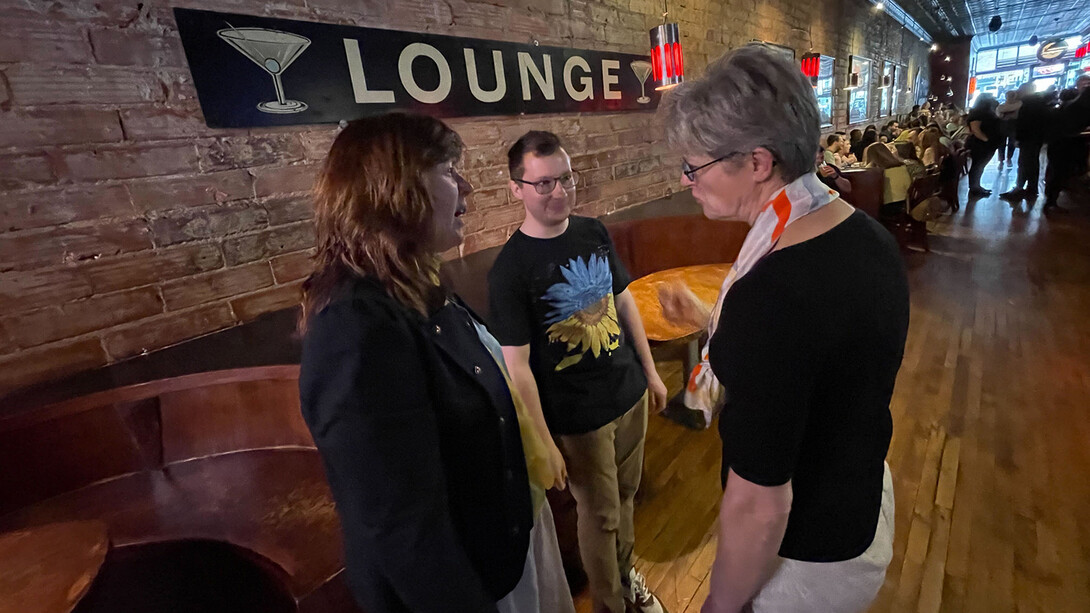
{"points": [[690, 172], [547, 185]]}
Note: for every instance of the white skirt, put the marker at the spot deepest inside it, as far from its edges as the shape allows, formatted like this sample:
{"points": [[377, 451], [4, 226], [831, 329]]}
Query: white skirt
{"points": [[834, 587], [543, 587]]}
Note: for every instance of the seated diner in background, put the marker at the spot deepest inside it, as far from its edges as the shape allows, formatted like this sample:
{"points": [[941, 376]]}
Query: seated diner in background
{"points": [[895, 175]]}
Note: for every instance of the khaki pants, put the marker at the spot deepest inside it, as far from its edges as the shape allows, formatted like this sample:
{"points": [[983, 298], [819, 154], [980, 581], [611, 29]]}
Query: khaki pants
{"points": [[604, 469]]}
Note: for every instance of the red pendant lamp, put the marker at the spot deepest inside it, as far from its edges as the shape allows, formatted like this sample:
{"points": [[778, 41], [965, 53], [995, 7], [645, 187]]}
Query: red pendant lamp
{"points": [[811, 67], [667, 61]]}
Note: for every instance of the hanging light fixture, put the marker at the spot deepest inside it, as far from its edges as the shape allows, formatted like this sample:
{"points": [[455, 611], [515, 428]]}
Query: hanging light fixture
{"points": [[811, 67], [667, 62]]}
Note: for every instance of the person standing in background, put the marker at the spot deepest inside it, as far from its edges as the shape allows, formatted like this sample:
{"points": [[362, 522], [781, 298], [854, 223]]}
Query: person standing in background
{"points": [[1008, 120], [1030, 132], [982, 142], [1068, 149]]}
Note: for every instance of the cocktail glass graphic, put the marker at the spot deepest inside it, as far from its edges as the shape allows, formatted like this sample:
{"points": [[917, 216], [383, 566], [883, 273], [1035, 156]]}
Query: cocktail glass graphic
{"points": [[273, 51], [642, 70]]}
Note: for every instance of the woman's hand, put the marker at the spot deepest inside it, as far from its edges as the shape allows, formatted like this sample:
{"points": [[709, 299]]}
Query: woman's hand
{"points": [[557, 466], [681, 306], [826, 171]]}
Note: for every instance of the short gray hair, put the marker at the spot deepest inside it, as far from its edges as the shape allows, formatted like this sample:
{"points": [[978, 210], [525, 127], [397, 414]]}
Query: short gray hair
{"points": [[750, 97]]}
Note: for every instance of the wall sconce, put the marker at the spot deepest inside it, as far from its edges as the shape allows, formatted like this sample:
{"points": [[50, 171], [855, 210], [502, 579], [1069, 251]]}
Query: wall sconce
{"points": [[667, 62]]}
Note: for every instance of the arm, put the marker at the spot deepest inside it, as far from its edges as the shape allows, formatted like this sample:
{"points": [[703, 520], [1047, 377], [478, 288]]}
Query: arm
{"points": [[629, 315], [752, 522], [522, 377], [379, 443]]}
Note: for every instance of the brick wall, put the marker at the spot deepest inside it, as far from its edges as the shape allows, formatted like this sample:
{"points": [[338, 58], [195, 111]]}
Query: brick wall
{"points": [[128, 225]]}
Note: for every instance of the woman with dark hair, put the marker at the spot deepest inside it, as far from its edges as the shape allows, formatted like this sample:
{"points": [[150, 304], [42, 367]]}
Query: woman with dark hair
{"points": [[438, 477], [856, 143], [983, 140], [805, 344]]}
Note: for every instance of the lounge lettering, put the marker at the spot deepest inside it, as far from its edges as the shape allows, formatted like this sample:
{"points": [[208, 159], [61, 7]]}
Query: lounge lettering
{"points": [[263, 71]]}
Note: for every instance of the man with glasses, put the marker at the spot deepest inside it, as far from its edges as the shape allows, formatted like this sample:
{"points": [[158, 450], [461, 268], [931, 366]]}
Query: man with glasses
{"points": [[576, 351]]}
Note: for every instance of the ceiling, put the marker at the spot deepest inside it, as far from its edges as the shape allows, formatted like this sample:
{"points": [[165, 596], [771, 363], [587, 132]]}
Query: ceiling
{"points": [[1021, 18]]}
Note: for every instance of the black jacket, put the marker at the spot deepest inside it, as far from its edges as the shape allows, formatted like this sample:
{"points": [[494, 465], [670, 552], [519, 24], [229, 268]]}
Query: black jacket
{"points": [[420, 441]]}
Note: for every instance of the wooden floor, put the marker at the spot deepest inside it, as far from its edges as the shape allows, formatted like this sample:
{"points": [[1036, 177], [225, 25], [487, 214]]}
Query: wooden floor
{"points": [[991, 443]]}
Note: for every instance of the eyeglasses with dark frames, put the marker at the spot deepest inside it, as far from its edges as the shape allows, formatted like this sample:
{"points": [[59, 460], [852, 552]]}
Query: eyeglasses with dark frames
{"points": [[690, 172], [548, 184]]}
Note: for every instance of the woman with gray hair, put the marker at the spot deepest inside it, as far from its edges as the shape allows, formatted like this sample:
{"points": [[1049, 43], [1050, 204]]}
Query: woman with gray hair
{"points": [[805, 344]]}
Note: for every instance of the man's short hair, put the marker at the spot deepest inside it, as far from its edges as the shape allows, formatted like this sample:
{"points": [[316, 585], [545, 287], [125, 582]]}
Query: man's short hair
{"points": [[537, 142], [831, 140]]}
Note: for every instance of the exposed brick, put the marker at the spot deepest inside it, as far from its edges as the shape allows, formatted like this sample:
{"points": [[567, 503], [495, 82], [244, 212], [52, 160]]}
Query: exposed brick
{"points": [[75, 318], [26, 290], [135, 48], [485, 239], [165, 193], [488, 178], [24, 170], [34, 84], [370, 8], [274, 241], [288, 209], [72, 243], [267, 301], [49, 207], [595, 176], [316, 144], [504, 216], [32, 39], [284, 180], [221, 283], [24, 128], [160, 122], [26, 367], [149, 267], [214, 220], [131, 161], [488, 198], [476, 133], [293, 266], [166, 330], [246, 151]]}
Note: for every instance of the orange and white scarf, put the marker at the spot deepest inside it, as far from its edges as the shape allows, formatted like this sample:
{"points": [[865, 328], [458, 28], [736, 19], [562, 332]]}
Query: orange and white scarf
{"points": [[797, 199]]}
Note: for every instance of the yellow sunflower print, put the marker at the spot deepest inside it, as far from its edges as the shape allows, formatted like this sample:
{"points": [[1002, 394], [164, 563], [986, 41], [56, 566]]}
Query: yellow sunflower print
{"points": [[584, 316]]}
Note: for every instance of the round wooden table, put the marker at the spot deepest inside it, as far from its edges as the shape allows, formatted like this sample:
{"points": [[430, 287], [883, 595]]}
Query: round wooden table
{"points": [[704, 280], [48, 569]]}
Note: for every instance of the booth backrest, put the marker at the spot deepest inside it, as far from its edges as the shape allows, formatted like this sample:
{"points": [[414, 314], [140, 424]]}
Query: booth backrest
{"points": [[650, 245], [65, 446]]}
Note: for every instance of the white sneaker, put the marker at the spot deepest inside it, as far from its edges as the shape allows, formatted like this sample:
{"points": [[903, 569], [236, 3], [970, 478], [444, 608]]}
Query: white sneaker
{"points": [[637, 596]]}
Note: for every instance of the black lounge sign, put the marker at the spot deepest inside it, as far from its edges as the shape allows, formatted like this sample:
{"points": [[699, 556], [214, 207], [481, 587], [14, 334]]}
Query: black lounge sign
{"points": [[260, 71]]}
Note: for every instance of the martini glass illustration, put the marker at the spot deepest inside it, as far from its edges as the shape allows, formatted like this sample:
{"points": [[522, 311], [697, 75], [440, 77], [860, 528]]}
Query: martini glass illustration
{"points": [[273, 51], [642, 70]]}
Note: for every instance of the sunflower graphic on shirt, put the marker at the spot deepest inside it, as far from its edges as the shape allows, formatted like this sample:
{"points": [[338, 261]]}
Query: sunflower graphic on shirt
{"points": [[584, 316]]}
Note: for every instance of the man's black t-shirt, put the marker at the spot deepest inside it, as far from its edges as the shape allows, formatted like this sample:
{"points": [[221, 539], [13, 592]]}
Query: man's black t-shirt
{"points": [[808, 347], [557, 295]]}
